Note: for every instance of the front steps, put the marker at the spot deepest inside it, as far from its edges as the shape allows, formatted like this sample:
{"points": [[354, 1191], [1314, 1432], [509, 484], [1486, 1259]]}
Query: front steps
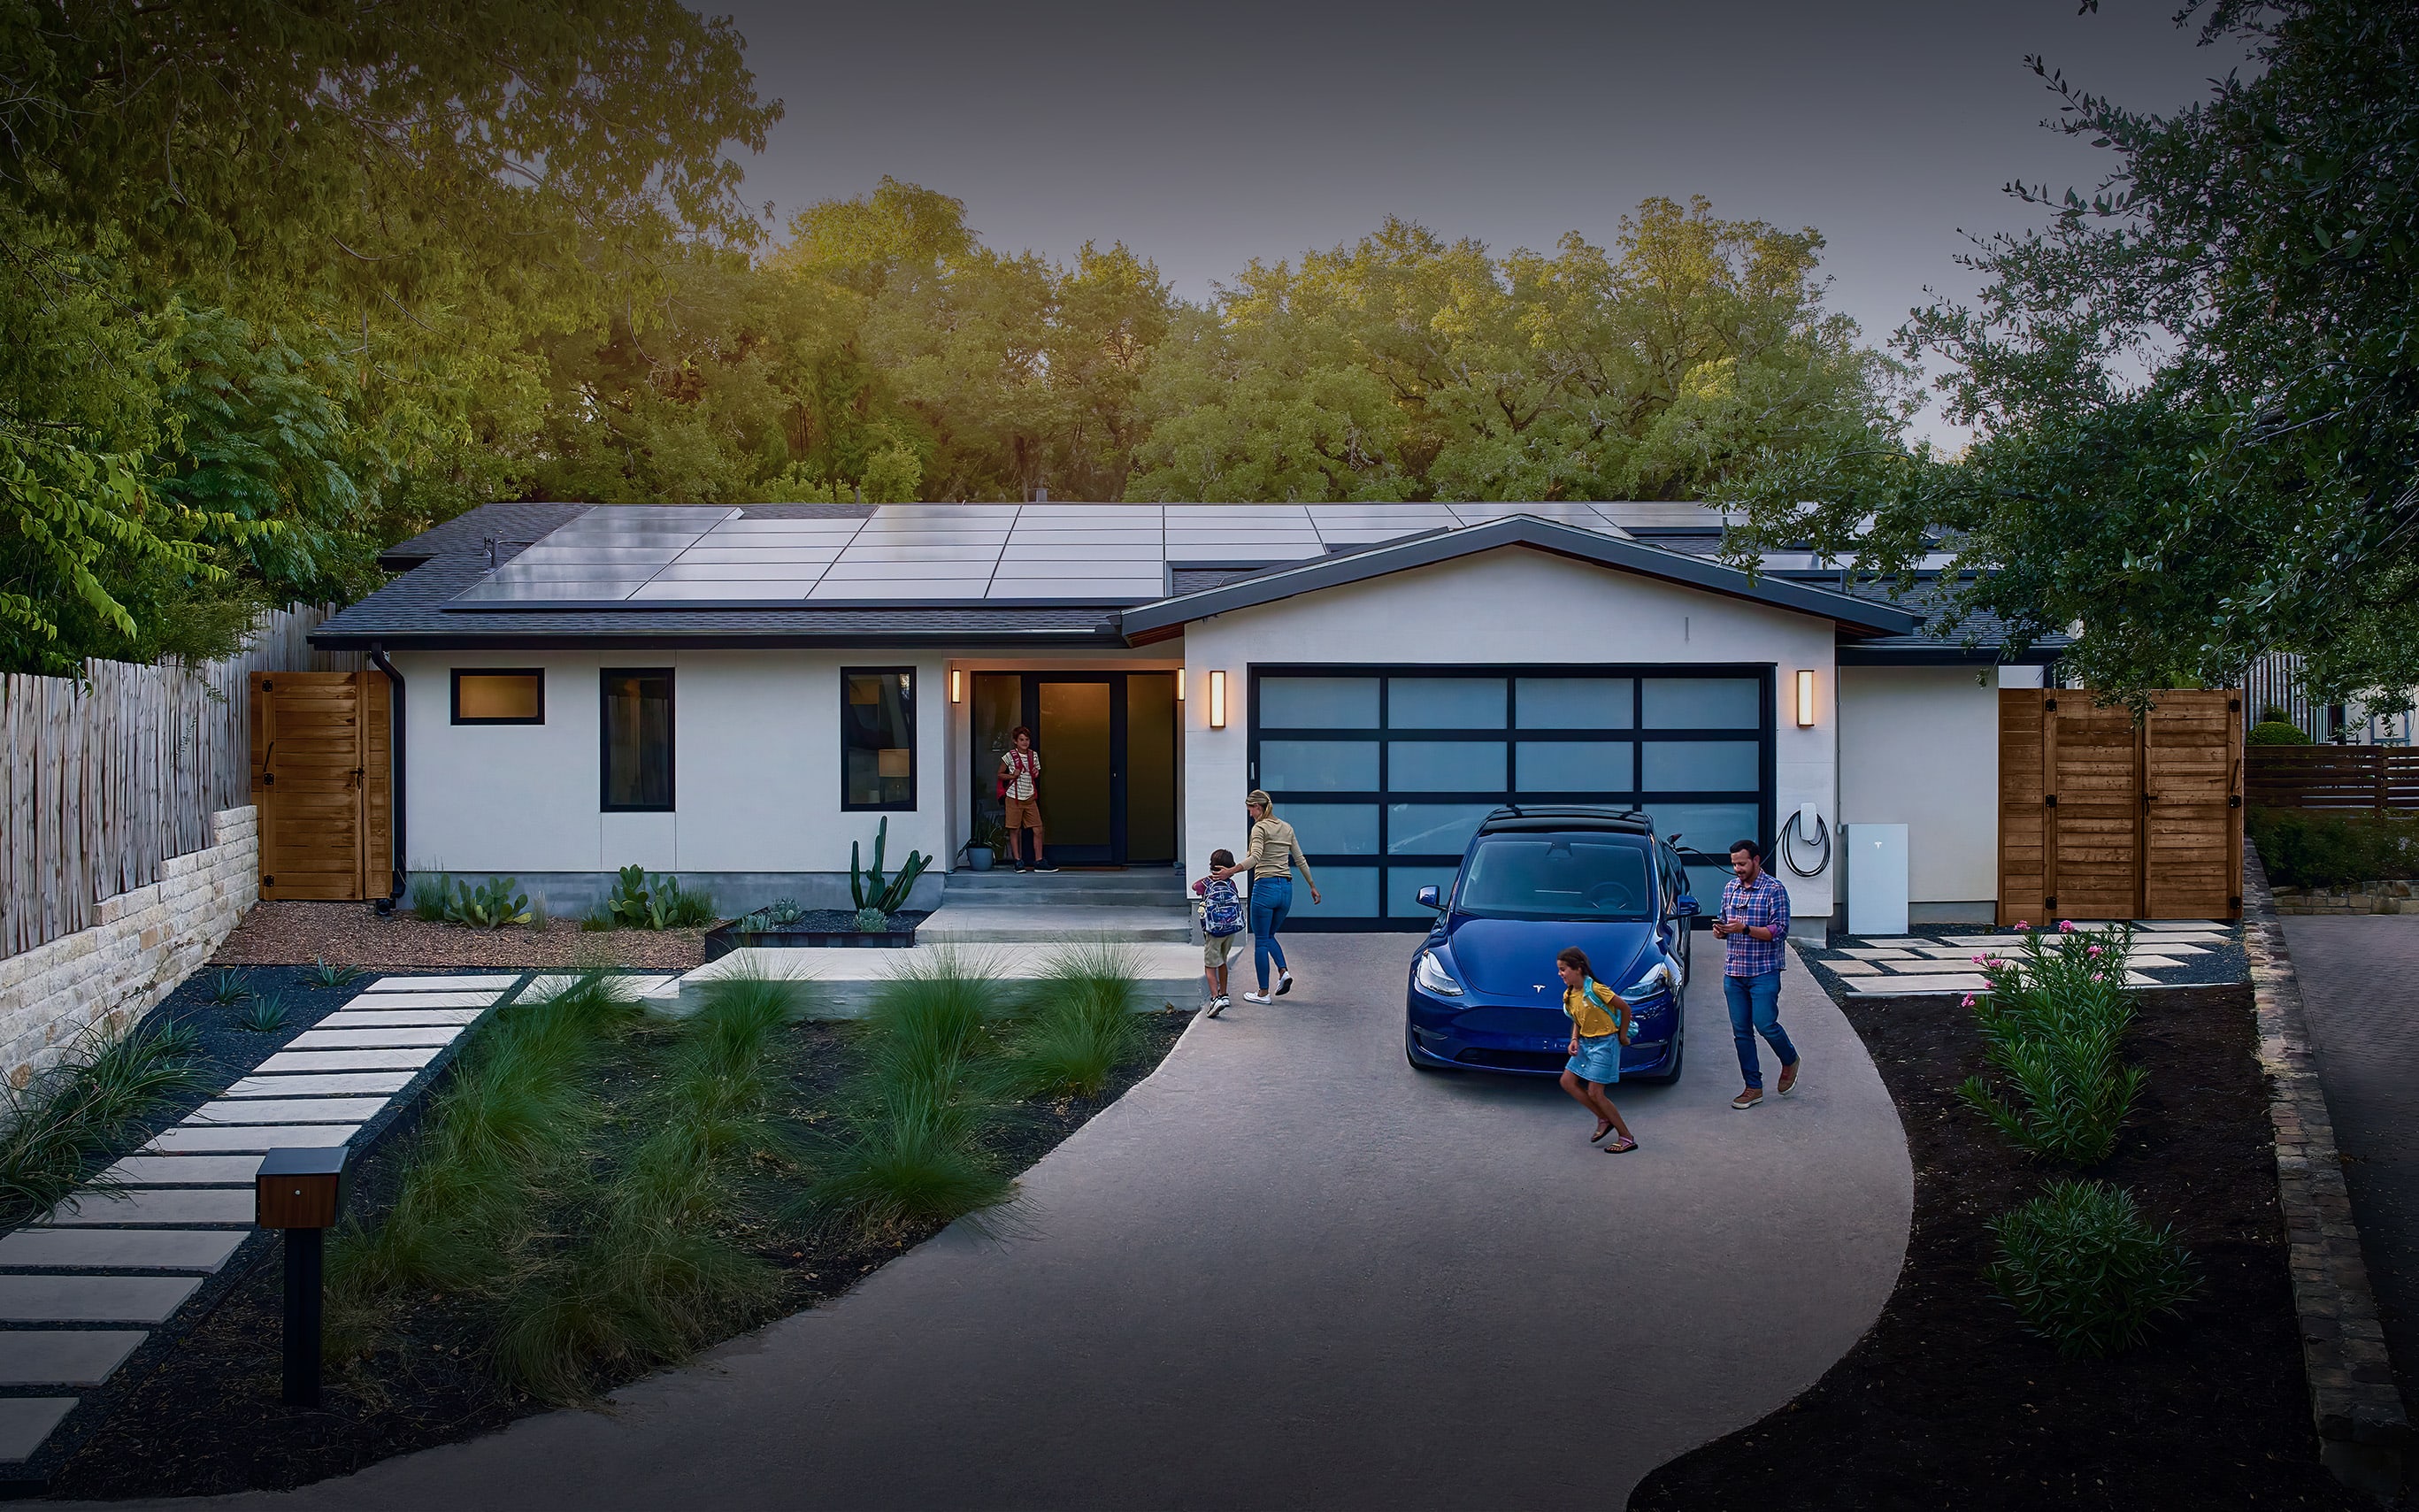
{"points": [[1143, 905]]}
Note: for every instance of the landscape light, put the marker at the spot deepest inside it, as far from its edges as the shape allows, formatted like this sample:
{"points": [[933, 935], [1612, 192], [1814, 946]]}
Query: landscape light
{"points": [[1217, 700], [1805, 700]]}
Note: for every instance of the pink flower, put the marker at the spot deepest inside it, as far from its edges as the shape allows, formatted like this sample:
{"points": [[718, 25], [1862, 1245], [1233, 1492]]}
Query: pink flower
{"points": [[1978, 961], [2021, 924], [2093, 951], [2066, 926], [1968, 1002]]}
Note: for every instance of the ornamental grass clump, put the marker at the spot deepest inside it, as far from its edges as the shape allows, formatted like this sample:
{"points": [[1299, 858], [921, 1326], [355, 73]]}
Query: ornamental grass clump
{"points": [[2054, 1022], [86, 1107], [2085, 1271], [1080, 1026]]}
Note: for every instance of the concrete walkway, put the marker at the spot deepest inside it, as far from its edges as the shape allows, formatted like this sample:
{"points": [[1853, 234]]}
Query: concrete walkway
{"points": [[2360, 989], [1289, 1270]]}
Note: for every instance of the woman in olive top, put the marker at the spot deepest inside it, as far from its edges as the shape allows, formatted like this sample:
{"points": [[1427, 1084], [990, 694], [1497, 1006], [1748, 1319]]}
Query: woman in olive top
{"points": [[1271, 860]]}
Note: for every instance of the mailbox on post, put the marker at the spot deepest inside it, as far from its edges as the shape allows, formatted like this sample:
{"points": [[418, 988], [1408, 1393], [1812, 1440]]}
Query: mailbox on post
{"points": [[300, 1191]]}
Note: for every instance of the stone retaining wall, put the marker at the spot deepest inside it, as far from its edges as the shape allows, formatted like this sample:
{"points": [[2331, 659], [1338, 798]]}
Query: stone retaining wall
{"points": [[142, 945], [2363, 1432], [2368, 898]]}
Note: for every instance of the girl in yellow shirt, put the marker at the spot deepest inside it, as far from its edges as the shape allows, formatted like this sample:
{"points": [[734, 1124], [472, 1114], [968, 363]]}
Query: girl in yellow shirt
{"points": [[1596, 1039]]}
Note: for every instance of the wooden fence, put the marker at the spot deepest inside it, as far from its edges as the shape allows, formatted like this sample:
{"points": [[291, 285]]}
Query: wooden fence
{"points": [[2373, 778], [103, 777]]}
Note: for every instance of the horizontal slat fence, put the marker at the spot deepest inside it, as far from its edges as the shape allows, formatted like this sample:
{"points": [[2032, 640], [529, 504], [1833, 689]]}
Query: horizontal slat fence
{"points": [[2374, 778], [103, 778]]}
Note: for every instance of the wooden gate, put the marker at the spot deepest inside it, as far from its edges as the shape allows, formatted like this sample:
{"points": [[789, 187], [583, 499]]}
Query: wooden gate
{"points": [[322, 782], [2101, 818]]}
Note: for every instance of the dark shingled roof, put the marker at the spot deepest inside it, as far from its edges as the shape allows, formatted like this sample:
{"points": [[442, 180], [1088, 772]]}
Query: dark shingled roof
{"points": [[514, 526]]}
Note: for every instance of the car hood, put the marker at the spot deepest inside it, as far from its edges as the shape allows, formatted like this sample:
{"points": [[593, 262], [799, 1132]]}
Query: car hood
{"points": [[1502, 957]]}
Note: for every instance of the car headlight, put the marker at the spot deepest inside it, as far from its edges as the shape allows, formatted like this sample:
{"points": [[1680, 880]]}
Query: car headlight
{"points": [[1659, 978], [1433, 978]]}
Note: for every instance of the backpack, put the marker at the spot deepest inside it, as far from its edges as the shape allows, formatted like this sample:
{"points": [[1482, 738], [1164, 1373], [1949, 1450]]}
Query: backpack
{"points": [[1622, 1020], [1222, 910]]}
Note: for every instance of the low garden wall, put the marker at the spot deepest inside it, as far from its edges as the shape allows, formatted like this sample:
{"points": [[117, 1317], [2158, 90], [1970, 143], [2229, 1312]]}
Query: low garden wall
{"points": [[141, 944], [2365, 898]]}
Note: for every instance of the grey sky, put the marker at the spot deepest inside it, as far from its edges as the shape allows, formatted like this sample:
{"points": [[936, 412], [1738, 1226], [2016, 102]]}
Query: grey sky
{"points": [[1204, 136]]}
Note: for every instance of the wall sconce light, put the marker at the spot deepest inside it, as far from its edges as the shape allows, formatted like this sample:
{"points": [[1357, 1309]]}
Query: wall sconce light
{"points": [[1180, 685], [1805, 700], [1217, 700], [957, 684]]}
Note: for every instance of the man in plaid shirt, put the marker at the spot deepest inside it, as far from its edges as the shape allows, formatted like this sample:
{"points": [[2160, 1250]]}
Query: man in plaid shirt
{"points": [[1754, 921]]}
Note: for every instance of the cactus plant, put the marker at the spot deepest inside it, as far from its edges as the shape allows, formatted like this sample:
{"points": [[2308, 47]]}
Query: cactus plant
{"points": [[493, 906], [870, 889]]}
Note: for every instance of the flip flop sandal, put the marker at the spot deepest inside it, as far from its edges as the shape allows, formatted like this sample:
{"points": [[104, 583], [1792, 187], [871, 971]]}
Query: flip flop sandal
{"points": [[1620, 1147], [1599, 1133]]}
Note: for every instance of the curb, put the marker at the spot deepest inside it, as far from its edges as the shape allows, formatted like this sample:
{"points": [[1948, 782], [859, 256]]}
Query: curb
{"points": [[2363, 1433]]}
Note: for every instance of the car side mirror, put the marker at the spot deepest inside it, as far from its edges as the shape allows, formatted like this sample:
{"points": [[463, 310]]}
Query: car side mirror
{"points": [[1430, 898], [1687, 908]]}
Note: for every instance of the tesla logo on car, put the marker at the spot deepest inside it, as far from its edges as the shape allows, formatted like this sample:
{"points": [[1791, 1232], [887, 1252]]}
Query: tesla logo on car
{"points": [[1541, 986]]}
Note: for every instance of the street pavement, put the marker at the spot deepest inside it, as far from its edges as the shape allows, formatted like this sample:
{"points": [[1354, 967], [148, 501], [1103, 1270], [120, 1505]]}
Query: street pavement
{"points": [[1287, 1270], [2360, 987]]}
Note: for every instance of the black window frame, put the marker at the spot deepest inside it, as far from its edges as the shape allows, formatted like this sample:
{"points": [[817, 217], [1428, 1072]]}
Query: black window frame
{"points": [[461, 672], [605, 803], [915, 757], [1765, 733]]}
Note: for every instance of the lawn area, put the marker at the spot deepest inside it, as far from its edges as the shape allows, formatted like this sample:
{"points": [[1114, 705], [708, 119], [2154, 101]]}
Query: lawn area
{"points": [[594, 1194]]}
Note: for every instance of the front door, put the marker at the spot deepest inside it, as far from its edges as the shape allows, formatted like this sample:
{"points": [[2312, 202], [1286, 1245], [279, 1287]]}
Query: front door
{"points": [[1108, 759]]}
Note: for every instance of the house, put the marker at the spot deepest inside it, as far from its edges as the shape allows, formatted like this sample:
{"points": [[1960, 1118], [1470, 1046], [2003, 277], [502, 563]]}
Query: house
{"points": [[738, 694]]}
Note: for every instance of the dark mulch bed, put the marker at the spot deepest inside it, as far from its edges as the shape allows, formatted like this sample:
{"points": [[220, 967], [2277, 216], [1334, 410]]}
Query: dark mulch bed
{"points": [[1948, 1400], [301, 932], [207, 1418]]}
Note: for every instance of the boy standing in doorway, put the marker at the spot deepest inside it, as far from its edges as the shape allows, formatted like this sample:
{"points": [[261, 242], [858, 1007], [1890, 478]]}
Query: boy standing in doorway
{"points": [[1019, 783]]}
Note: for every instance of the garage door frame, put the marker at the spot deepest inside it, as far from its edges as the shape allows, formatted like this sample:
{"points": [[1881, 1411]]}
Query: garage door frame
{"points": [[1765, 733]]}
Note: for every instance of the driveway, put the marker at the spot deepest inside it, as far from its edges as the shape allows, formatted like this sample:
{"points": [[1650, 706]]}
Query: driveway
{"points": [[2360, 986], [1289, 1270]]}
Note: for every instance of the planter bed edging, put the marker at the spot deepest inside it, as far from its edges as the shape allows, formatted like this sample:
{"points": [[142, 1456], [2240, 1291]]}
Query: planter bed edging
{"points": [[2363, 1433], [2367, 898]]}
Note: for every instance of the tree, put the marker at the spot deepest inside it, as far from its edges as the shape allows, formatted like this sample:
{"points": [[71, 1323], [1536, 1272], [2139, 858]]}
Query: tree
{"points": [[2195, 391]]}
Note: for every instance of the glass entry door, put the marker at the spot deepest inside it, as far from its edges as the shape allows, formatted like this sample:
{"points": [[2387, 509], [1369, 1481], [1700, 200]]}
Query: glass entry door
{"points": [[1108, 747]]}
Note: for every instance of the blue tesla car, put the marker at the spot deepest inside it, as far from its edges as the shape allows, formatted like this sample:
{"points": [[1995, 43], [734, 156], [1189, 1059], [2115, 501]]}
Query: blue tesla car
{"points": [[1483, 993]]}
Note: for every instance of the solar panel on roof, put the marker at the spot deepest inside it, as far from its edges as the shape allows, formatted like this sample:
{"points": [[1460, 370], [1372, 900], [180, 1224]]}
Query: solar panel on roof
{"points": [[586, 589], [698, 555], [721, 592]]}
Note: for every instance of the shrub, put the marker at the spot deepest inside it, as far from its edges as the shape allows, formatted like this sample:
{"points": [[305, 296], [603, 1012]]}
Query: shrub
{"points": [[2054, 1026], [2277, 732], [492, 905], [1081, 1026], [657, 902], [2085, 1271], [267, 1015], [85, 1107], [430, 893], [2307, 848], [228, 988]]}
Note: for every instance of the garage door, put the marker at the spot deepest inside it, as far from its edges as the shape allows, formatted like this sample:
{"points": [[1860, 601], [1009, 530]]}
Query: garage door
{"points": [[1385, 772]]}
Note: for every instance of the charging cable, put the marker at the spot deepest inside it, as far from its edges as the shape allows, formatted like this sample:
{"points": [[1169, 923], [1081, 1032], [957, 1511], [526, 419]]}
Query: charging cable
{"points": [[1820, 839]]}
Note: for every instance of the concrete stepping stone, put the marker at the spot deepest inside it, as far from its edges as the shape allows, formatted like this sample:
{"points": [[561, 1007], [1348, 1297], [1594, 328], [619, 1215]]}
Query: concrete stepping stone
{"points": [[394, 1039], [64, 1356], [342, 1083], [1897, 943], [157, 1205], [401, 1017], [1852, 968], [120, 1249], [288, 1110], [93, 1299], [1894, 986], [263, 1137], [187, 1170], [1931, 968], [624, 987], [323, 1061], [26, 1421], [1867, 952], [490, 983], [396, 1002]]}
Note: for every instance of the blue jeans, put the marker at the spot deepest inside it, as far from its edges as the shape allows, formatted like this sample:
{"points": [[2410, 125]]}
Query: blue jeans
{"points": [[1271, 900], [1755, 1008]]}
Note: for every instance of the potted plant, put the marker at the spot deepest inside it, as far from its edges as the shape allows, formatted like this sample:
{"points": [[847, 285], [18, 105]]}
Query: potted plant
{"points": [[984, 848]]}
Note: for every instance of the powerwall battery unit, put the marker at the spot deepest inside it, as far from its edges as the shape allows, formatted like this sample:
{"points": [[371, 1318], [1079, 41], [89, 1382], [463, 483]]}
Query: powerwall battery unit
{"points": [[1876, 863]]}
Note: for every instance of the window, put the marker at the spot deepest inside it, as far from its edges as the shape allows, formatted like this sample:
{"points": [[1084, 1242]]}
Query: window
{"points": [[877, 737], [499, 695], [638, 705]]}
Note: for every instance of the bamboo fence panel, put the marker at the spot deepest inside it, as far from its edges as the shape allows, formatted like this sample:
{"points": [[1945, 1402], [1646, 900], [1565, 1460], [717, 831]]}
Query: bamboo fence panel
{"points": [[109, 774]]}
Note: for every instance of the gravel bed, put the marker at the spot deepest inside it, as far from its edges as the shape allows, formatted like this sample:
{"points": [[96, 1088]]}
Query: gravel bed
{"points": [[299, 934]]}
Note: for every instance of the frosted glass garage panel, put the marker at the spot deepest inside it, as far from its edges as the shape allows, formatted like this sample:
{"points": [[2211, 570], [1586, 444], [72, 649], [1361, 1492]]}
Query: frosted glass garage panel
{"points": [[1403, 885], [1345, 892], [1432, 828], [1318, 766], [1704, 703], [1445, 702], [1577, 703], [1701, 765], [1443, 765], [1319, 704], [1605, 767], [1334, 828], [1708, 828]]}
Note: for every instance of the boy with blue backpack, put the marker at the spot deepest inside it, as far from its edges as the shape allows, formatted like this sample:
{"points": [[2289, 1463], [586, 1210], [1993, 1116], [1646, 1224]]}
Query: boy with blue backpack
{"points": [[1221, 927]]}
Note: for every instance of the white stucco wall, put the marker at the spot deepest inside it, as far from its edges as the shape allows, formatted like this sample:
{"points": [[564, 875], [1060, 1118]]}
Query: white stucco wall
{"points": [[1512, 606], [755, 764], [1919, 746]]}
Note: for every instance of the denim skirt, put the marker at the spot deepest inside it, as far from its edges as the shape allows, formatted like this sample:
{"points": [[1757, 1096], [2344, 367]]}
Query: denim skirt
{"points": [[1599, 1060]]}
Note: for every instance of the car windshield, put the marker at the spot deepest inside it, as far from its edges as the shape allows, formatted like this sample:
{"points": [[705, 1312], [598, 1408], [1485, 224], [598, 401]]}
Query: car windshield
{"points": [[1556, 876]]}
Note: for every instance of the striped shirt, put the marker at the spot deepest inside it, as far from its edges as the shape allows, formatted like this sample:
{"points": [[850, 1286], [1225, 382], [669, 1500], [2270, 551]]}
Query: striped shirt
{"points": [[1762, 902]]}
